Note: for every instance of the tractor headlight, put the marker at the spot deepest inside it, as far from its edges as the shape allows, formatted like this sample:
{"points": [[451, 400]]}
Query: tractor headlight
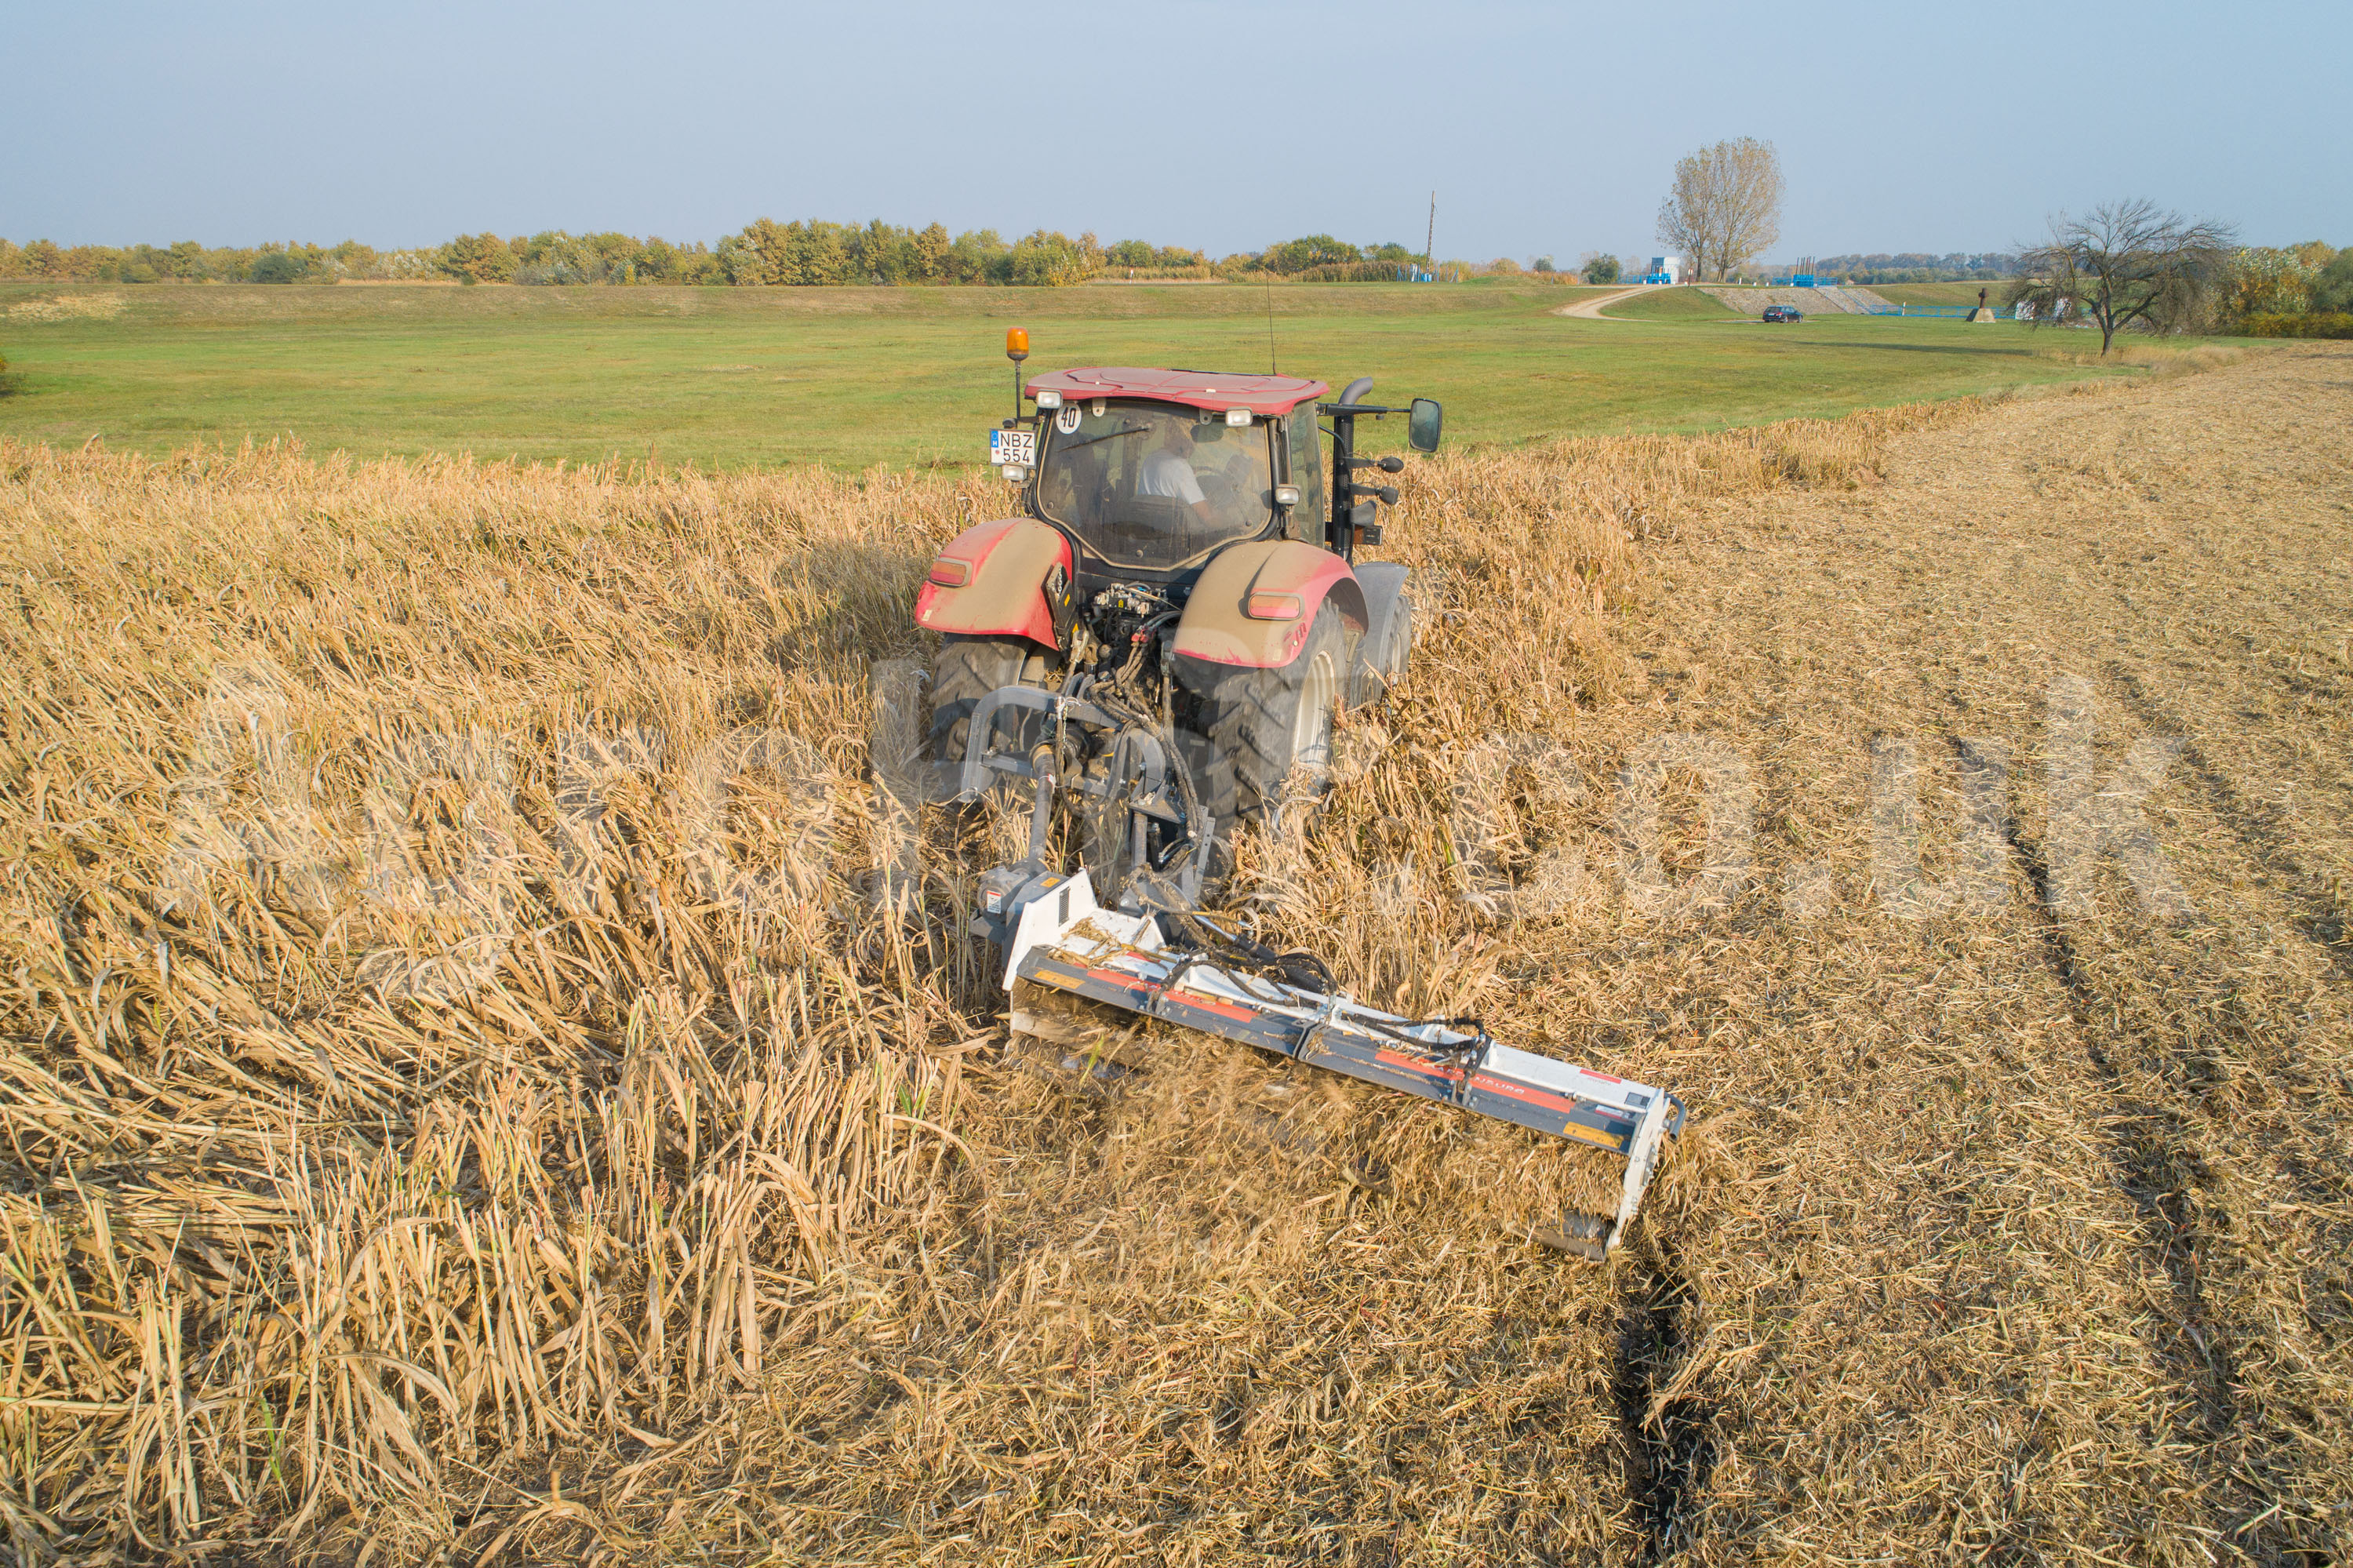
{"points": [[1286, 496], [1049, 399], [1238, 416], [1016, 474]]}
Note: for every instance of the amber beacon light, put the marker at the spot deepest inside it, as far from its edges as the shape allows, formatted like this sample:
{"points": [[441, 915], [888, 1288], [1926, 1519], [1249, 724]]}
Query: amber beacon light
{"points": [[1016, 349]]}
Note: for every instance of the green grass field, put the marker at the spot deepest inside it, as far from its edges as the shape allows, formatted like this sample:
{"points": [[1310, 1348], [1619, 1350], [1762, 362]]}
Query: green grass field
{"points": [[852, 377]]}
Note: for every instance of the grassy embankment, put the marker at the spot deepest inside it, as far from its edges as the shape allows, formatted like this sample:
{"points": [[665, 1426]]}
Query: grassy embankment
{"points": [[736, 378], [1673, 305], [1940, 293]]}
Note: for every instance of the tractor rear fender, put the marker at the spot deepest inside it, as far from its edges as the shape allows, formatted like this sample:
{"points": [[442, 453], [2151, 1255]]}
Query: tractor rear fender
{"points": [[1255, 604], [993, 580]]}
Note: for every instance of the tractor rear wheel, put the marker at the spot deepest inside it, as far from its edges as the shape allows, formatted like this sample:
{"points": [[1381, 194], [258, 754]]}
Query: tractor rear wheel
{"points": [[968, 669], [1269, 731]]}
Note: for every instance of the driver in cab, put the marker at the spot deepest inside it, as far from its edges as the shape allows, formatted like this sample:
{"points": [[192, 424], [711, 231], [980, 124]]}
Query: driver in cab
{"points": [[1167, 469]]}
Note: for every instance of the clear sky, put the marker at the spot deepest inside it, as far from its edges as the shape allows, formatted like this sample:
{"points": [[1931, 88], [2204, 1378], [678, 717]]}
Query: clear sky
{"points": [[1543, 127]]}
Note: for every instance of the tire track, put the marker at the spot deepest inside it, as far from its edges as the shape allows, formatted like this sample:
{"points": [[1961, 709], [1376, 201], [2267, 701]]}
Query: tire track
{"points": [[2256, 828], [2155, 1163]]}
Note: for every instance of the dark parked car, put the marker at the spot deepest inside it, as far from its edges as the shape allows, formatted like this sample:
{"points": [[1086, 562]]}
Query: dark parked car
{"points": [[1784, 313]]}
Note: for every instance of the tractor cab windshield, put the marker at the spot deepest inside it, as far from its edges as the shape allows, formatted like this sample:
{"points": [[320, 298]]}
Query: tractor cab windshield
{"points": [[1153, 486]]}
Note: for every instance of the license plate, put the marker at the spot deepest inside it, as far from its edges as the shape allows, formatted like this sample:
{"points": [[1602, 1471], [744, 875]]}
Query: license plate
{"points": [[1013, 446]]}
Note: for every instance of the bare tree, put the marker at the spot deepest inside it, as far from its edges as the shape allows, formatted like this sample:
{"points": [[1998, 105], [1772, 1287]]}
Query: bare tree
{"points": [[1724, 206], [2126, 262]]}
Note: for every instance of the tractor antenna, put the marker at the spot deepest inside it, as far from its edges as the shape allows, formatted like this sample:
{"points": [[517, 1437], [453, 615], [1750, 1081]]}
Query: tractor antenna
{"points": [[1270, 324], [1431, 239]]}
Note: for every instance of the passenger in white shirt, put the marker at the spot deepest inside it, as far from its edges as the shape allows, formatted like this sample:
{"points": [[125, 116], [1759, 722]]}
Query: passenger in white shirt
{"points": [[1168, 471]]}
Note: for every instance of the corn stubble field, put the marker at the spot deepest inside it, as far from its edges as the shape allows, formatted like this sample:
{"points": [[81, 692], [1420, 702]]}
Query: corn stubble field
{"points": [[456, 1169]]}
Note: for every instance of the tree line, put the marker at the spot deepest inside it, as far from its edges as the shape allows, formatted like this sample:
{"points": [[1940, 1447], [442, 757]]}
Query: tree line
{"points": [[764, 253], [1918, 266]]}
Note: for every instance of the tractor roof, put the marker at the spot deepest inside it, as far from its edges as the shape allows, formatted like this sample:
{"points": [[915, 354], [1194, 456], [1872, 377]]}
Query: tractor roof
{"points": [[1265, 396]]}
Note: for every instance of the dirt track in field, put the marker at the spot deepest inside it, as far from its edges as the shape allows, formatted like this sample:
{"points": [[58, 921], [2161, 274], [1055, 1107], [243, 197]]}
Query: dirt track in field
{"points": [[2051, 1249], [1590, 309]]}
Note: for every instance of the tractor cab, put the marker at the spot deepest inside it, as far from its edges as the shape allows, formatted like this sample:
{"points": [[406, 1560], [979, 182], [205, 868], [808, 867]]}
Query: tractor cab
{"points": [[1152, 485], [1175, 602], [1150, 473]]}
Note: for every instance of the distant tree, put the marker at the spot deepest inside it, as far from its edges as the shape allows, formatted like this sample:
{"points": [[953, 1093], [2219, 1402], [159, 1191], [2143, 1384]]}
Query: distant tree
{"points": [[880, 253], [747, 259], [2125, 262], [2265, 283], [276, 267], [1050, 259], [1313, 250], [1601, 269], [1724, 206], [555, 257], [931, 248], [971, 255], [1544, 265], [477, 259], [658, 261], [2332, 290]]}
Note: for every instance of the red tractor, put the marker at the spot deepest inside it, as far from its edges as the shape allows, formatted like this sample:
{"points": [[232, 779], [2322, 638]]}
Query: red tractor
{"points": [[1181, 572], [1160, 638]]}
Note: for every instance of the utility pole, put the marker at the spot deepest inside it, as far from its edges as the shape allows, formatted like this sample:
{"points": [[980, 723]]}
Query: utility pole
{"points": [[1430, 238]]}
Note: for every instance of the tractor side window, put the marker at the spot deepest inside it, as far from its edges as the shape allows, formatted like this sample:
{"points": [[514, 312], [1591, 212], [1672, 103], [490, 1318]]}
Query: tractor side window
{"points": [[1307, 518]]}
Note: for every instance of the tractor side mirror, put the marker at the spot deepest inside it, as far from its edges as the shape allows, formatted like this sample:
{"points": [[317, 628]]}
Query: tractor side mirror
{"points": [[1423, 426]]}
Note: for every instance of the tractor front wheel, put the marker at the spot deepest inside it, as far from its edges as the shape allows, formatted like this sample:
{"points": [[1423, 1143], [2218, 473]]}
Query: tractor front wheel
{"points": [[1269, 731]]}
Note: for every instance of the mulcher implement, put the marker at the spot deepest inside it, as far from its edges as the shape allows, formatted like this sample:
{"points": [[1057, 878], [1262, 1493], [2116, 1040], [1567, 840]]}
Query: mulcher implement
{"points": [[1069, 945]]}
